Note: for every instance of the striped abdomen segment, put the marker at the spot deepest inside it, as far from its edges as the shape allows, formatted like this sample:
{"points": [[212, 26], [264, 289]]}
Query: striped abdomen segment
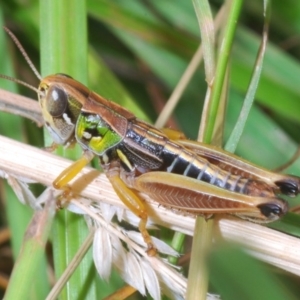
{"points": [[179, 160]]}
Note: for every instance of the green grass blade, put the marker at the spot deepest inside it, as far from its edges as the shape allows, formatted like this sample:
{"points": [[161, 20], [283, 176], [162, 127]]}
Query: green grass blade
{"points": [[28, 264], [64, 50], [222, 64]]}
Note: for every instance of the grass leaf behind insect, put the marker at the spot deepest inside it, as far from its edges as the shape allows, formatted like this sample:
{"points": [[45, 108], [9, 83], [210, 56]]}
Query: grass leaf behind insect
{"points": [[278, 88], [118, 94], [231, 263], [64, 50]]}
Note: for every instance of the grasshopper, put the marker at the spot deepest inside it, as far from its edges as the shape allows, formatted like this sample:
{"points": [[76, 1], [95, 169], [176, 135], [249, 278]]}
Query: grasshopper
{"points": [[138, 158]]}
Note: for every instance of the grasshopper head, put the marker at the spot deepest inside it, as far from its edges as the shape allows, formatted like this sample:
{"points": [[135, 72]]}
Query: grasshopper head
{"points": [[60, 97], [61, 104]]}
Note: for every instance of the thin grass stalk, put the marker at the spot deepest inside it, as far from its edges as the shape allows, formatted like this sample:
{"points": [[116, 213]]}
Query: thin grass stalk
{"points": [[237, 131], [208, 36], [20, 106], [186, 77], [209, 119], [198, 275], [59, 285]]}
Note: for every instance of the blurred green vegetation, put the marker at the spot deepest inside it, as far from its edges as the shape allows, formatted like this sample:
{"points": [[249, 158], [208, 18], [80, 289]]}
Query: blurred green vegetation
{"points": [[147, 46]]}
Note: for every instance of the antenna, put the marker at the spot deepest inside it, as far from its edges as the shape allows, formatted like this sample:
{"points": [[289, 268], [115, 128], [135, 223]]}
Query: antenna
{"points": [[28, 60], [23, 52], [20, 82]]}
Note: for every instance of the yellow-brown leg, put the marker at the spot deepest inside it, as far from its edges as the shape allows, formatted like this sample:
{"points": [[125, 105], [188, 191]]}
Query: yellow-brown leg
{"points": [[62, 180], [136, 205], [128, 196], [70, 172]]}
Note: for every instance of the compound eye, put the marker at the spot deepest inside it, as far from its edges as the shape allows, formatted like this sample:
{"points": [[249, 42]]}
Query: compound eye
{"points": [[56, 101]]}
